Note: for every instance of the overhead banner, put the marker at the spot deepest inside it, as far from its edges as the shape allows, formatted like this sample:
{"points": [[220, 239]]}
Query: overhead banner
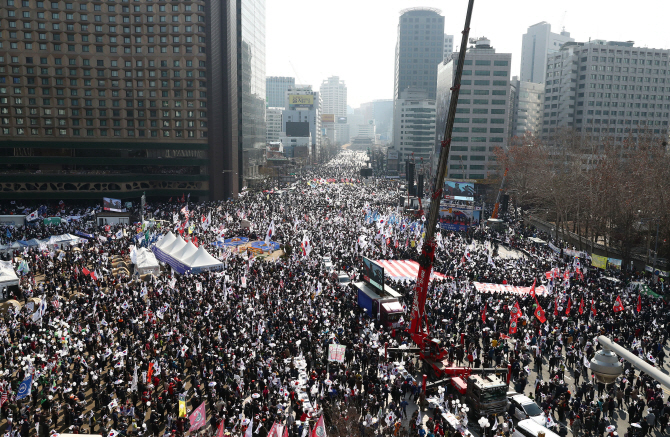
{"points": [[52, 221], [614, 263], [336, 352], [599, 261], [484, 287]]}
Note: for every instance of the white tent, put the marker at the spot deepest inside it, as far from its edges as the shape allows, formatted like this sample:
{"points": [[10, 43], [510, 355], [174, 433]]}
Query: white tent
{"points": [[185, 253], [201, 261], [177, 245], [147, 262], [7, 274], [166, 240]]}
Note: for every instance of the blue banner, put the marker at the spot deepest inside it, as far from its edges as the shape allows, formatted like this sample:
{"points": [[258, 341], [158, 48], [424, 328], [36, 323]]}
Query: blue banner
{"points": [[24, 388], [85, 235]]}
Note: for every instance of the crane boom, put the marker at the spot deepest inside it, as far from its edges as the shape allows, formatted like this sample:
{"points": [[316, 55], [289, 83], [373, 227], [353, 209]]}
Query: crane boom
{"points": [[416, 329]]}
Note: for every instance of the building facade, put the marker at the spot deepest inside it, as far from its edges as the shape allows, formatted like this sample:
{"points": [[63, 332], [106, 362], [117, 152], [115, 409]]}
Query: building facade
{"points": [[527, 108], [333, 93], [273, 124], [303, 106], [607, 89], [251, 89], [482, 120], [275, 90], [448, 46], [415, 125], [116, 99], [419, 49], [538, 42]]}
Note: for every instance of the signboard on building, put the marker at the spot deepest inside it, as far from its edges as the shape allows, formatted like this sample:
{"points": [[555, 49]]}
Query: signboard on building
{"points": [[327, 118], [342, 120], [392, 154], [300, 101]]}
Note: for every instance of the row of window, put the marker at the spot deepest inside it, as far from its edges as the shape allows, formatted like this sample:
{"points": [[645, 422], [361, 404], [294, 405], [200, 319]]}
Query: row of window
{"points": [[115, 103], [102, 132], [101, 49], [98, 28], [480, 120], [472, 157], [611, 59], [77, 122], [611, 130], [471, 176], [625, 105], [99, 63], [124, 20], [102, 84], [43, 36], [465, 167], [606, 121], [74, 92], [455, 148], [117, 113], [479, 110], [55, 5], [477, 139], [620, 113], [485, 73]]}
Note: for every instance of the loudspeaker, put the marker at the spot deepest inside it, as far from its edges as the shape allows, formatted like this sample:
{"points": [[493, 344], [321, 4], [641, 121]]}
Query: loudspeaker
{"points": [[504, 202]]}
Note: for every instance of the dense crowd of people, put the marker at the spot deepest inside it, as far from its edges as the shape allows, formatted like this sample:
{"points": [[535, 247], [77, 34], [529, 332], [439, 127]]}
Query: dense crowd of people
{"points": [[114, 353]]}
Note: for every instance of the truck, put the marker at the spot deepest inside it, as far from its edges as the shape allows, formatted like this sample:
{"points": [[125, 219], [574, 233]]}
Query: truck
{"points": [[382, 306], [486, 395]]}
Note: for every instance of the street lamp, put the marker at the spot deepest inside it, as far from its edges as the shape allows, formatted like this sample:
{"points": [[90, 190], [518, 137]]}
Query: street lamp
{"points": [[605, 369]]}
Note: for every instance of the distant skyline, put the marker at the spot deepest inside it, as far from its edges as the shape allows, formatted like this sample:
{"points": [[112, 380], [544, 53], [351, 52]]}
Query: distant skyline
{"points": [[355, 40]]}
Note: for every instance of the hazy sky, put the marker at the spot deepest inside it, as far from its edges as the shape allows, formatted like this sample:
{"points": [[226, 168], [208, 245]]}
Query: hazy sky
{"points": [[355, 39]]}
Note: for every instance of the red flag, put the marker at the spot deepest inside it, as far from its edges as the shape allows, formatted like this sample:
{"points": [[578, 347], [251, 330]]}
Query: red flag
{"points": [[618, 305], [581, 306], [504, 337], [639, 303], [85, 271], [556, 306], [93, 276], [3, 399], [516, 310], [221, 429], [170, 199], [319, 429], [532, 289], [539, 313], [593, 308], [512, 325], [182, 198], [484, 314], [198, 418], [567, 310]]}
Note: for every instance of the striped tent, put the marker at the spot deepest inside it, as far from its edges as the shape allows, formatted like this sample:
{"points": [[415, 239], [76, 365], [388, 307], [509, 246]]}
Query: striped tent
{"points": [[404, 269]]}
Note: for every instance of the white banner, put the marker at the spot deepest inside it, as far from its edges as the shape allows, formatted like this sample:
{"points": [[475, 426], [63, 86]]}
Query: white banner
{"points": [[484, 287], [336, 352]]}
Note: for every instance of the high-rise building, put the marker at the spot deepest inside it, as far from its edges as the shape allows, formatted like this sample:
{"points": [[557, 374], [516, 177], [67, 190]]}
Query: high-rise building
{"points": [[115, 100], [527, 107], [273, 123], [607, 89], [538, 42], [419, 49], [415, 126], [302, 116], [448, 46], [483, 113], [251, 94], [333, 93], [275, 90]]}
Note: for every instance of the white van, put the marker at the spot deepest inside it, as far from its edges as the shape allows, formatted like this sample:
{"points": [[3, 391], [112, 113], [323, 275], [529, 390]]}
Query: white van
{"points": [[530, 428]]}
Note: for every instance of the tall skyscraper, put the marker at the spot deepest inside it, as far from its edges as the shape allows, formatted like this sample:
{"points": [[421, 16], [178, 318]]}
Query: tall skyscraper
{"points": [[538, 42], [117, 100], [334, 110], [275, 90], [483, 113], [251, 80], [607, 89], [273, 122], [419, 49]]}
